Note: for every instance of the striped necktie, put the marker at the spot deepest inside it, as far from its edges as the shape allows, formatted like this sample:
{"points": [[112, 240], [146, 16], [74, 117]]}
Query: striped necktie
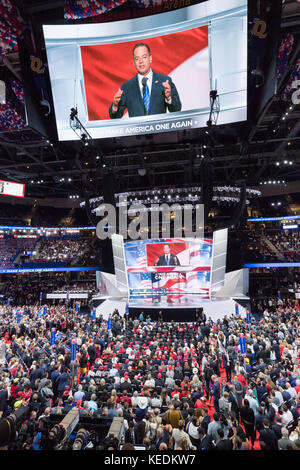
{"points": [[146, 94]]}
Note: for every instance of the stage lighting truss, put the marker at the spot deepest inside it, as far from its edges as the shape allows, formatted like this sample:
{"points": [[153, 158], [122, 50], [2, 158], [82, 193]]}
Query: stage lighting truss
{"points": [[79, 129], [214, 108]]}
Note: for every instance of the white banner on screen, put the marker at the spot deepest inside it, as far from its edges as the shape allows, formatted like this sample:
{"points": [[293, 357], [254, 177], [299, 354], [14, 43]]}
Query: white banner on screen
{"points": [[8, 188]]}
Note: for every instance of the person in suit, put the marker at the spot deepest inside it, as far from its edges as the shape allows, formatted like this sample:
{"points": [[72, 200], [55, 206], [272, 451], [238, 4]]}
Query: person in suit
{"points": [[167, 259], [206, 419], [131, 434], [233, 399], [148, 92], [205, 441], [268, 437]]}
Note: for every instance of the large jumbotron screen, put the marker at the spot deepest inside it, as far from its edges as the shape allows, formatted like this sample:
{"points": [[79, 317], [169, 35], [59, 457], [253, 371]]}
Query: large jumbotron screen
{"points": [[169, 266], [187, 52]]}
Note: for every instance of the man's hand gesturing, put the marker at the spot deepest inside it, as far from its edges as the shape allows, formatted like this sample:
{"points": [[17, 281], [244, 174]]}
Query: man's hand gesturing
{"points": [[117, 98], [167, 90]]}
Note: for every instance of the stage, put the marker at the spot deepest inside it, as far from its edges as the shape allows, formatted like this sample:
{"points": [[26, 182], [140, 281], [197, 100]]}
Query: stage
{"points": [[183, 310], [177, 297]]}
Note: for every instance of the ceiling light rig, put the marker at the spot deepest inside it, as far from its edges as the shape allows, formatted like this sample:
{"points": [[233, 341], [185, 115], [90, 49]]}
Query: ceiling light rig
{"points": [[79, 129]]}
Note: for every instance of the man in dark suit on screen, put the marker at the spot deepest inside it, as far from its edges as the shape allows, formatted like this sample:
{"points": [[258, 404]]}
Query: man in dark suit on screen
{"points": [[146, 93], [167, 259]]}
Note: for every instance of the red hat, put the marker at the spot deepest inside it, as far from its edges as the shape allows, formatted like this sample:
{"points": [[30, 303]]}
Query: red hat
{"points": [[159, 376]]}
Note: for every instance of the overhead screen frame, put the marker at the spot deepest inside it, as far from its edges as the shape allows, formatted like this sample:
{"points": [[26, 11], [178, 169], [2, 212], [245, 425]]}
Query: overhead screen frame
{"points": [[72, 36]]}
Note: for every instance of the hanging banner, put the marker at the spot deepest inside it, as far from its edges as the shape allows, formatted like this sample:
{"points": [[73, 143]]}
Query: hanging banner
{"points": [[243, 344], [278, 294], [52, 337], [236, 309], [109, 323], [73, 350]]}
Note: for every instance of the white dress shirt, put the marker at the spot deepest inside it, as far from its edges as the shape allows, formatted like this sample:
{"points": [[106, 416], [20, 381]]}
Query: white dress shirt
{"points": [[149, 76]]}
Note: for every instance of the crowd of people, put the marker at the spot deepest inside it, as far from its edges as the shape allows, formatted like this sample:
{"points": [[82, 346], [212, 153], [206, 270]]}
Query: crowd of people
{"points": [[26, 289], [176, 385], [61, 249], [10, 247], [284, 245]]}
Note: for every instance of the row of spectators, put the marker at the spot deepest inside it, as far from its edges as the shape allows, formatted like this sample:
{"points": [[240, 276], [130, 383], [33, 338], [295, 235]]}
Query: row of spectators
{"points": [[14, 252], [26, 289], [268, 282], [176, 385], [61, 249], [285, 245], [85, 251], [10, 247]]}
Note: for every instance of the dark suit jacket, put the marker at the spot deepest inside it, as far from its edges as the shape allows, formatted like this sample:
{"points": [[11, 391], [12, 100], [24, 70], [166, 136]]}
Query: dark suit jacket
{"points": [[128, 437], [206, 443], [205, 422], [162, 261], [132, 99], [268, 436]]}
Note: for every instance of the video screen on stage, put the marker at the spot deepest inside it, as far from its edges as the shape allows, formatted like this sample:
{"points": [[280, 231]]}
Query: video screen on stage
{"points": [[151, 74], [169, 266]]}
